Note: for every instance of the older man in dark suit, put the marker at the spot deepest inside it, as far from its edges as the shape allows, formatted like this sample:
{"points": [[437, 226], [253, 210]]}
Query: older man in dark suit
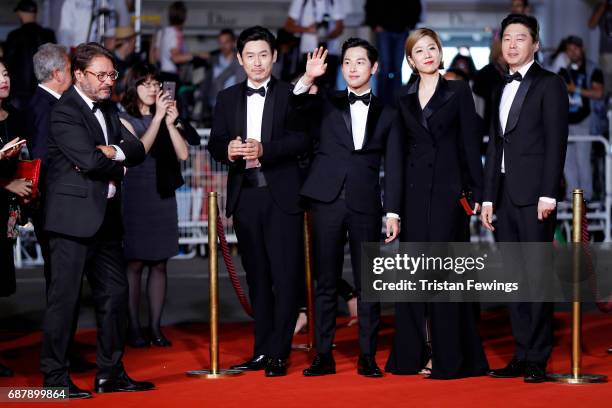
{"points": [[83, 219]]}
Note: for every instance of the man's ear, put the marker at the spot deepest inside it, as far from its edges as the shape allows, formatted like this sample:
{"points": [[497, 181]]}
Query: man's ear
{"points": [[374, 68], [274, 56], [239, 58], [537, 47]]}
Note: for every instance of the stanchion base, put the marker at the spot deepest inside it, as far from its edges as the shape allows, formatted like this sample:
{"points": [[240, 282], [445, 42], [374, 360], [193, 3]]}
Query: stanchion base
{"points": [[302, 347], [210, 375], [581, 379]]}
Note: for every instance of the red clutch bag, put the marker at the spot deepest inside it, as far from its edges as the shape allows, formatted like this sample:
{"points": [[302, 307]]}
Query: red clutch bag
{"points": [[29, 170], [466, 203]]}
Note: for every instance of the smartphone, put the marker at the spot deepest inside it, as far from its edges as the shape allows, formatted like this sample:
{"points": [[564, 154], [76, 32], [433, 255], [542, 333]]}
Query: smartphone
{"points": [[7, 146], [169, 87]]}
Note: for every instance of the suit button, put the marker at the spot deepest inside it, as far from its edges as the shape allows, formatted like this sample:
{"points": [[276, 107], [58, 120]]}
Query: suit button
{"points": [[411, 164], [411, 185], [429, 165]]}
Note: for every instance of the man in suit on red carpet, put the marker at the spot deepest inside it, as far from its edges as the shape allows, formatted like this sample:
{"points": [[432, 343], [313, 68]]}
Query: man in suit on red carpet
{"points": [[83, 220], [523, 170], [254, 132], [353, 131]]}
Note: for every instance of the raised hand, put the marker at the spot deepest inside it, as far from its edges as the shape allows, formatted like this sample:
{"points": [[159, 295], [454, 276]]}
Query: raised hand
{"points": [[315, 65]]}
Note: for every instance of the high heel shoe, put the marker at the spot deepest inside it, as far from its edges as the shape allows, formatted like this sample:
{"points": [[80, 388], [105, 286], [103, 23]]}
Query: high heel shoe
{"points": [[160, 340]]}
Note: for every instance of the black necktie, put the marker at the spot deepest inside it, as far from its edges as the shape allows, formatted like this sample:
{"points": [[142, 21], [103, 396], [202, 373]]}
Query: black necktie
{"points": [[97, 106], [514, 77], [250, 91], [365, 98]]}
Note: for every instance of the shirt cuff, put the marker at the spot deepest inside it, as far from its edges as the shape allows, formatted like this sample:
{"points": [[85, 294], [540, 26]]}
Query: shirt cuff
{"points": [[393, 215], [487, 204], [549, 200], [300, 87], [120, 156]]}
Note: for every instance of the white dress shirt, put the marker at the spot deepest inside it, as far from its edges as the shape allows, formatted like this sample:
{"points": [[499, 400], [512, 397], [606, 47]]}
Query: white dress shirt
{"points": [[119, 156], [359, 119], [255, 108], [507, 98]]}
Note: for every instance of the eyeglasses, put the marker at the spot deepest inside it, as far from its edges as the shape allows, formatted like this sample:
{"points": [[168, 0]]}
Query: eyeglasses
{"points": [[153, 84], [103, 75]]}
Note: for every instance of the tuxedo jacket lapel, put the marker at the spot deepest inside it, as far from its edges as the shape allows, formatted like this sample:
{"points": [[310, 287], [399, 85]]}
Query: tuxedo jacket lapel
{"points": [[91, 119], [411, 100], [241, 112], [442, 94], [519, 98], [373, 115], [267, 122], [340, 101]]}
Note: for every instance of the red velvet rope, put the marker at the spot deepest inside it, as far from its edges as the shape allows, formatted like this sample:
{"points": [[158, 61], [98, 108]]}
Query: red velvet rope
{"points": [[231, 269]]}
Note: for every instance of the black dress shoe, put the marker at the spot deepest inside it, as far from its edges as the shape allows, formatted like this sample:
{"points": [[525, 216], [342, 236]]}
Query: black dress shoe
{"points": [[367, 367], [515, 368], [5, 371], [276, 367], [323, 364], [74, 392], [121, 383], [254, 364], [535, 373]]}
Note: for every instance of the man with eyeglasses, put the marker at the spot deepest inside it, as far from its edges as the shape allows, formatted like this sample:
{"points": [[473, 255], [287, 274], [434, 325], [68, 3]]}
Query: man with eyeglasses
{"points": [[88, 151]]}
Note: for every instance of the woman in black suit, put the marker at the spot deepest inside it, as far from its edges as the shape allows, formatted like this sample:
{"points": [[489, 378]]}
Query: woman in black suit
{"points": [[442, 158]]}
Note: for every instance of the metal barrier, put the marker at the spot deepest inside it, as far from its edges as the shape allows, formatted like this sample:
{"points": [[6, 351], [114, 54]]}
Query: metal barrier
{"points": [[202, 175], [598, 212]]}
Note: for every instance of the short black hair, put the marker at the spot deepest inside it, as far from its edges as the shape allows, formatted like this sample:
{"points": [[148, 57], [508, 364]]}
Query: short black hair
{"points": [[227, 31], [255, 33], [177, 13], [86, 52], [360, 42], [575, 40], [528, 21]]}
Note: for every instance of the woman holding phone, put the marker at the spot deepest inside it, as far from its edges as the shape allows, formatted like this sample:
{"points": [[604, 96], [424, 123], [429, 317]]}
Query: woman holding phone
{"points": [[442, 159], [150, 212]]}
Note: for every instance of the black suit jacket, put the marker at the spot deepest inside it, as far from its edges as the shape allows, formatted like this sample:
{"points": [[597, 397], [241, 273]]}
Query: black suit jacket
{"points": [[442, 158], [534, 142], [281, 137], [37, 123], [78, 173], [336, 163]]}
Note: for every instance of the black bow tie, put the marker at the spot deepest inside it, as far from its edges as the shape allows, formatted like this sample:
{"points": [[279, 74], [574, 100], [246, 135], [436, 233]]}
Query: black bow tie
{"points": [[97, 106], [250, 91], [514, 77], [365, 98]]}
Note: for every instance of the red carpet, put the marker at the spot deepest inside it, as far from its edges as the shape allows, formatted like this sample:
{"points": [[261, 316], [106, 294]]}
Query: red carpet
{"points": [[166, 368]]}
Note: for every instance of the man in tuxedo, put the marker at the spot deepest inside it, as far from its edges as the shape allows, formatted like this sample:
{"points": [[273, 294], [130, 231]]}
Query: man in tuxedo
{"points": [[83, 220], [343, 187], [523, 170], [254, 132], [52, 70]]}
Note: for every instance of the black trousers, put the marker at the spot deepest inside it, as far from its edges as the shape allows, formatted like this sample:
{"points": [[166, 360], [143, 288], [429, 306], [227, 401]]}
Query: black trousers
{"points": [[271, 247], [532, 323], [101, 259], [330, 224]]}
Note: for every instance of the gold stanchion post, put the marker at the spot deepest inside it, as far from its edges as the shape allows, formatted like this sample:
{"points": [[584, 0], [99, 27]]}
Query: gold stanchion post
{"points": [[309, 288], [576, 376], [213, 272]]}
